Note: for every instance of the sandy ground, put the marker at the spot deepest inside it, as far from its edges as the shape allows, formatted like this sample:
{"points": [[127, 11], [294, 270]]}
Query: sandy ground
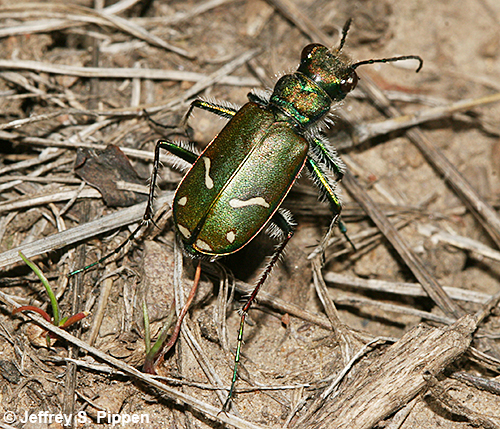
{"points": [[460, 45]]}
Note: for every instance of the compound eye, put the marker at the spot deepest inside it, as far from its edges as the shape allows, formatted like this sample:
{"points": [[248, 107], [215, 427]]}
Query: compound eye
{"points": [[308, 50], [347, 85]]}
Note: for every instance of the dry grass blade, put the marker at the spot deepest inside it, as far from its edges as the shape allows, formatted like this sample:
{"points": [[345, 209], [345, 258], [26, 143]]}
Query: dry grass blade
{"points": [[216, 77], [132, 153], [406, 289], [97, 316], [431, 286], [21, 81], [265, 298], [120, 6], [390, 309], [364, 132], [485, 360], [465, 243], [79, 233], [487, 308], [176, 17], [290, 11], [187, 333], [471, 198], [43, 158], [479, 382], [347, 341], [40, 26], [204, 362], [64, 194], [118, 73], [72, 14]]}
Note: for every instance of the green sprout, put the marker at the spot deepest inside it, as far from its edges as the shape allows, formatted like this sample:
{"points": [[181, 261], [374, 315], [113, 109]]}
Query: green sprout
{"points": [[156, 353], [56, 320], [152, 352]]}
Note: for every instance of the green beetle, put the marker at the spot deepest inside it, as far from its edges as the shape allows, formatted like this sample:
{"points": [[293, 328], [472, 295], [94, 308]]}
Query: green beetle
{"points": [[235, 187]]}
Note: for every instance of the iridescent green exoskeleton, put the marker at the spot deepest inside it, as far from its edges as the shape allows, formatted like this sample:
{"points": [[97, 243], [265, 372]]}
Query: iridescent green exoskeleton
{"points": [[235, 187]]}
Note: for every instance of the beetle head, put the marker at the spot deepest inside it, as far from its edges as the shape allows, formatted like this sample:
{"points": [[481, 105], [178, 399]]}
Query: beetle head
{"points": [[333, 71]]}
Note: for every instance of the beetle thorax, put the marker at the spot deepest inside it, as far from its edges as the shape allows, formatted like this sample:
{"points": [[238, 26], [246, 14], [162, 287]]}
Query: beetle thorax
{"points": [[300, 99]]}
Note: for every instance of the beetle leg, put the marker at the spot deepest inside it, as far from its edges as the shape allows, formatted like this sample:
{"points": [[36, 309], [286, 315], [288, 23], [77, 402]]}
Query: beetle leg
{"points": [[174, 149], [109, 255], [324, 183], [177, 150], [224, 110], [283, 221], [324, 151]]}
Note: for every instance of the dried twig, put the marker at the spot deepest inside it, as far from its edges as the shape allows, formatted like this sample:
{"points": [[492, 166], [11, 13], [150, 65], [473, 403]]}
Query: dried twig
{"points": [[71, 15], [120, 73], [80, 233], [460, 242], [364, 132], [431, 286], [396, 377], [405, 289]]}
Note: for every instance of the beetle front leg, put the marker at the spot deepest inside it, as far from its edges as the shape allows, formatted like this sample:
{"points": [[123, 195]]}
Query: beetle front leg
{"points": [[173, 148], [281, 221], [326, 153], [225, 111], [222, 110]]}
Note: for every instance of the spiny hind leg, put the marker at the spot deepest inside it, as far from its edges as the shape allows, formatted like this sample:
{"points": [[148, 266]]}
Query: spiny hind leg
{"points": [[281, 226]]}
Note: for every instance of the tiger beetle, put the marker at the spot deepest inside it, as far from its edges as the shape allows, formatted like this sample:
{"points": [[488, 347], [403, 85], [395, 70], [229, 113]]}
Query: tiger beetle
{"points": [[236, 186]]}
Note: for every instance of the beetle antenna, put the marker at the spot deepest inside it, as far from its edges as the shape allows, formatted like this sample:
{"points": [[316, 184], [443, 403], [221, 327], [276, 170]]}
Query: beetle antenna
{"points": [[389, 60], [345, 30]]}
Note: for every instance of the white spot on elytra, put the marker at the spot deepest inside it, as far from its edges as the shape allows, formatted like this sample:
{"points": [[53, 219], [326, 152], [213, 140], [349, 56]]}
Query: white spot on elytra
{"points": [[184, 231], [230, 236], [203, 245], [256, 201], [182, 201], [208, 180]]}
